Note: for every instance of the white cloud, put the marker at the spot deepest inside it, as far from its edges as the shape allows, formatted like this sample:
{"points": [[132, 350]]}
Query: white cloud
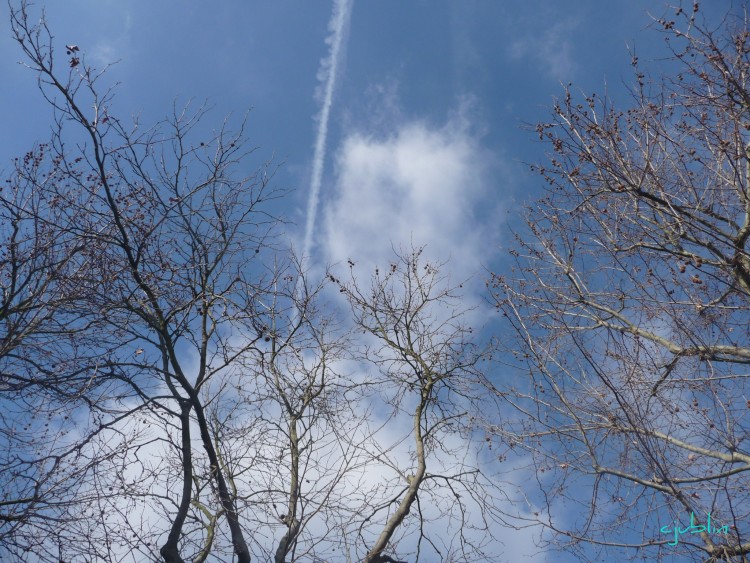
{"points": [[419, 185]]}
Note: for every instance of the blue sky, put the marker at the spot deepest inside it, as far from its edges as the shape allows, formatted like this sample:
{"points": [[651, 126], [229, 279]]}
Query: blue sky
{"points": [[425, 138], [457, 79]]}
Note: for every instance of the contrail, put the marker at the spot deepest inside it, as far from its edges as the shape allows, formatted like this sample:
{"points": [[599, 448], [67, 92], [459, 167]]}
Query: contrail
{"points": [[338, 27]]}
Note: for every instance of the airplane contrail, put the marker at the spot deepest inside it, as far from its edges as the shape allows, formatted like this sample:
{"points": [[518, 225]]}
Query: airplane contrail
{"points": [[338, 27]]}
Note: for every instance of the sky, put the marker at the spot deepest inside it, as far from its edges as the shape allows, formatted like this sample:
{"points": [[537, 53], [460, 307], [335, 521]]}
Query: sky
{"points": [[407, 121], [424, 138]]}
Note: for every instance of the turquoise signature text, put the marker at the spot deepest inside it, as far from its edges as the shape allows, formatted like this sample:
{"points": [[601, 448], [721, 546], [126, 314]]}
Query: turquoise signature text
{"points": [[693, 529]]}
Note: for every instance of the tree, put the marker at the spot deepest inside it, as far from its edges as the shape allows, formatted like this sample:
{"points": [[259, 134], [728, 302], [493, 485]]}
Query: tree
{"points": [[47, 357], [196, 383], [430, 371], [629, 302], [167, 234], [309, 439]]}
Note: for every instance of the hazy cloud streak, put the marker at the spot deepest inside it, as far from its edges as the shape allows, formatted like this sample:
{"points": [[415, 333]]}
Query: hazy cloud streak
{"points": [[338, 26]]}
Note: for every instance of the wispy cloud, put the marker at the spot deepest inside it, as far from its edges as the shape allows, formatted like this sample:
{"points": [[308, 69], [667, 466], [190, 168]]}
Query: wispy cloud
{"points": [[552, 50]]}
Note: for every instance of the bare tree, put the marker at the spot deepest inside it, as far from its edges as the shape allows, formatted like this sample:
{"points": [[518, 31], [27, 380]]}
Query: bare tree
{"points": [[224, 401], [288, 430], [630, 306], [48, 359], [430, 373], [169, 232], [311, 413]]}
